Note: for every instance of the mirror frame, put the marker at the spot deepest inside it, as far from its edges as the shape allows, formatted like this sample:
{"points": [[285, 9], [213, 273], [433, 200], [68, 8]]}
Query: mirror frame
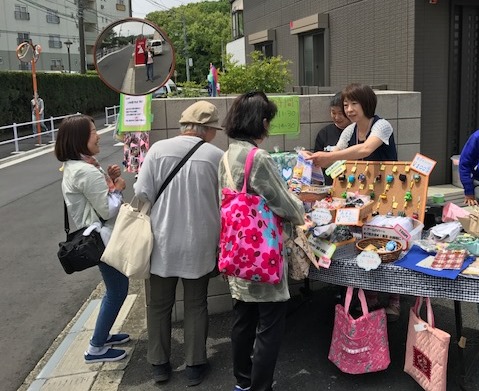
{"points": [[155, 27]]}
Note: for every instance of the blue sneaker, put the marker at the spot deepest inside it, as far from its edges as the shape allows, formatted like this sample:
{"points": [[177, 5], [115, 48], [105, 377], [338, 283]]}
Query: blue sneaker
{"points": [[108, 356], [238, 388], [117, 339]]}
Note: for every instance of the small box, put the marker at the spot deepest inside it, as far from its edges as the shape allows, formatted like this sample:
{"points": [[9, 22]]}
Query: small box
{"points": [[398, 233], [345, 249], [456, 181]]}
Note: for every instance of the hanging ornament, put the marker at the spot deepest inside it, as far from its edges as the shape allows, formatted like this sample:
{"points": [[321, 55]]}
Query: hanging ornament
{"points": [[389, 178], [408, 196], [351, 178], [372, 195], [415, 215], [361, 177], [341, 178], [344, 194], [416, 177], [402, 177], [378, 178]]}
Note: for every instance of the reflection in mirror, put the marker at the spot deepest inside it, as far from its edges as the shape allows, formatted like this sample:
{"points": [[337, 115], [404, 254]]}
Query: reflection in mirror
{"points": [[25, 52], [134, 56]]}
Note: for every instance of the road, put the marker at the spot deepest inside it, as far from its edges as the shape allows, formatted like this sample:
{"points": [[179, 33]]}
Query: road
{"points": [[37, 298]]}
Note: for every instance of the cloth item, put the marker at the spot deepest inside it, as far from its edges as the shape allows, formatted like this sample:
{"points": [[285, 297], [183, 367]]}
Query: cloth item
{"points": [[116, 285], [131, 241], [251, 237], [135, 147], [300, 255], [285, 161], [426, 349], [203, 113], [471, 223], [359, 345], [195, 325], [446, 232], [416, 254], [449, 259], [256, 337], [450, 212]]}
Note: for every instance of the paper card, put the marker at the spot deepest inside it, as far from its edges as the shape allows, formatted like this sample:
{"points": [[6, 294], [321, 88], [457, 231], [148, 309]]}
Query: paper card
{"points": [[368, 260], [321, 216], [420, 327], [336, 168], [347, 216], [422, 164]]}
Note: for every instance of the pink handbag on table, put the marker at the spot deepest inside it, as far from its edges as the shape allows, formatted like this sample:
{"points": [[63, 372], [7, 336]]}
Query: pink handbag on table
{"points": [[426, 349], [359, 345], [251, 237]]}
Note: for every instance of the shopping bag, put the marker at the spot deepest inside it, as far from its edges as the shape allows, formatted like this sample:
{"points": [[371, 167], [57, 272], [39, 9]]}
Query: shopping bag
{"points": [[359, 345], [131, 242], [251, 236], [426, 349]]}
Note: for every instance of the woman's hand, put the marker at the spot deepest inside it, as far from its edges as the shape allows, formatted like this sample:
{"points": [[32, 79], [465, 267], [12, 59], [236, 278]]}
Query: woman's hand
{"points": [[114, 171], [320, 158], [120, 183], [470, 200]]}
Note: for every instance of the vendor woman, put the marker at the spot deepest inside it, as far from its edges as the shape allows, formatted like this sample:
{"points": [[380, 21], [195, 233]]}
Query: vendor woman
{"points": [[369, 137]]}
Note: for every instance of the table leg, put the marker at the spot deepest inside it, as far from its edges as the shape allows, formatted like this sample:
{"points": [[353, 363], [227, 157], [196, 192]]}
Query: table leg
{"points": [[460, 346]]}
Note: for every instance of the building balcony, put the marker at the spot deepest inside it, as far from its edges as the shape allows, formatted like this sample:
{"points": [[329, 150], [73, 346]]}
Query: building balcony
{"points": [[20, 15]]}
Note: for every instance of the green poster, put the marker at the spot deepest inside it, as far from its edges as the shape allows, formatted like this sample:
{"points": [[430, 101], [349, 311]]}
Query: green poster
{"points": [[286, 120], [135, 113]]}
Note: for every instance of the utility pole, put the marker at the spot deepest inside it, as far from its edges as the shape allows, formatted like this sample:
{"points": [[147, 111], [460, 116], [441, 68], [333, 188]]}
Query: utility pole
{"points": [[81, 29], [187, 56]]}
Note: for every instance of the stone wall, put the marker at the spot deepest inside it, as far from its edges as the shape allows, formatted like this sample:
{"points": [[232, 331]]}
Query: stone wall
{"points": [[401, 109]]}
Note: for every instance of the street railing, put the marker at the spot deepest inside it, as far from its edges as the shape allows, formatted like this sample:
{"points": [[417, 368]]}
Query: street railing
{"points": [[17, 132], [111, 114]]}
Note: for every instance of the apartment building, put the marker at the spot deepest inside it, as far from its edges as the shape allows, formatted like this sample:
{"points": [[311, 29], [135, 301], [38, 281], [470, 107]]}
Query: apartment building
{"points": [[54, 25], [430, 46]]}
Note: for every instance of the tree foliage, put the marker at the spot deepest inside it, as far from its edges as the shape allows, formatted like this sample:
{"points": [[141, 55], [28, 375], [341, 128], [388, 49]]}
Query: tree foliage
{"points": [[268, 74], [207, 28]]}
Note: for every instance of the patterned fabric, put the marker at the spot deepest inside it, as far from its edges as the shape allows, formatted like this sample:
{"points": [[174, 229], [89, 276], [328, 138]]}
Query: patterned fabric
{"points": [[426, 350], [449, 259], [92, 160], [265, 181], [359, 345]]}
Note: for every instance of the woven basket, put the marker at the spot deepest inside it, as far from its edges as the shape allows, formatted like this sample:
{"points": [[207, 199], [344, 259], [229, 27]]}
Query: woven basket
{"points": [[386, 256]]}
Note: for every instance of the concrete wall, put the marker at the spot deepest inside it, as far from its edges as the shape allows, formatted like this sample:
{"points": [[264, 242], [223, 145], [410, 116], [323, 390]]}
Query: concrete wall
{"points": [[401, 109]]}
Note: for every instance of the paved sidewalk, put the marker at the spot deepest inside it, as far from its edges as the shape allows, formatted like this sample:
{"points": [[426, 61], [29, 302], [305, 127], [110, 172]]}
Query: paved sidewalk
{"points": [[302, 364]]}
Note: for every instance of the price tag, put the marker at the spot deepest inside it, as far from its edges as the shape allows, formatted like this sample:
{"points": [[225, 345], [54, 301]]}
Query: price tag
{"points": [[347, 216], [361, 186], [323, 250], [371, 187], [336, 168], [395, 169], [368, 260], [321, 216], [383, 167], [420, 327], [422, 164]]}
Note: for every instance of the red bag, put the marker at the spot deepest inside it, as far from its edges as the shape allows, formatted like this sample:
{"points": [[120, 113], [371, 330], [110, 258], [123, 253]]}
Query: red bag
{"points": [[359, 345]]}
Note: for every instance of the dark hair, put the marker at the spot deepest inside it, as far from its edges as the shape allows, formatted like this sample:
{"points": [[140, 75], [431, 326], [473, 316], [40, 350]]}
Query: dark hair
{"points": [[245, 117], [336, 101], [364, 95], [72, 138]]}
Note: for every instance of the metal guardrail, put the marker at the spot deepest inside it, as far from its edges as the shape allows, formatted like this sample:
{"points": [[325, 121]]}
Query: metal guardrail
{"points": [[111, 113], [16, 129]]}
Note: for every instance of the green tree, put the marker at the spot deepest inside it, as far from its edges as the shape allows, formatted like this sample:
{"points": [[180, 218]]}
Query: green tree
{"points": [[268, 74], [207, 28]]}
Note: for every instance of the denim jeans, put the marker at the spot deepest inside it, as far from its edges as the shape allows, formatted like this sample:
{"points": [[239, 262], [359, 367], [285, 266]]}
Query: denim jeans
{"points": [[116, 291], [43, 127], [149, 71]]}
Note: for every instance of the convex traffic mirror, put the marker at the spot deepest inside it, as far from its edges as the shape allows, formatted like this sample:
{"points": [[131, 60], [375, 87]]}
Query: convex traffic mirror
{"points": [[134, 56]]}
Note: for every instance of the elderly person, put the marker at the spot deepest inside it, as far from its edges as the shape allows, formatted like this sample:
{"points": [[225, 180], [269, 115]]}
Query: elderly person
{"points": [[186, 223], [259, 308]]}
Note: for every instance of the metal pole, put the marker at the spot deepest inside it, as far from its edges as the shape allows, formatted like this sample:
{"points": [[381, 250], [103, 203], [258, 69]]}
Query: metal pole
{"points": [[69, 61], [81, 30], [35, 92]]}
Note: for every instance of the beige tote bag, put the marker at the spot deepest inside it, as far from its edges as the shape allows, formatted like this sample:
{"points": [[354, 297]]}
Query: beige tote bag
{"points": [[131, 242]]}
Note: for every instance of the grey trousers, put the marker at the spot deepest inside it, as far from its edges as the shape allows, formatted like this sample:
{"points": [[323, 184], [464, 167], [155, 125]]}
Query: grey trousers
{"points": [[161, 300]]}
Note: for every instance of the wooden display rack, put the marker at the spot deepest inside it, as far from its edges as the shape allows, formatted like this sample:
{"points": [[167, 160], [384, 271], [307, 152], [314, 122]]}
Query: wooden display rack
{"points": [[388, 197]]}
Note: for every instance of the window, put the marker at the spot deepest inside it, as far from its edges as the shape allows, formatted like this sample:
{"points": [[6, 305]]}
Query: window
{"points": [[237, 24], [52, 17], [54, 42], [266, 48], [120, 5], [21, 13], [25, 66], [313, 60], [23, 37], [56, 65]]}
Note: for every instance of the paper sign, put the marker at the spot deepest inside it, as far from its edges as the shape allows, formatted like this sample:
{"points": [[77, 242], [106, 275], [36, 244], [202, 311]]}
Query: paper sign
{"points": [[368, 260], [397, 233], [286, 120], [135, 113], [422, 164], [321, 216], [347, 216], [336, 168]]}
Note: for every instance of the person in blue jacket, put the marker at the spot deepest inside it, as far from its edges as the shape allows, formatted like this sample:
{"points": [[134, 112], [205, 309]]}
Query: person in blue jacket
{"points": [[468, 172]]}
